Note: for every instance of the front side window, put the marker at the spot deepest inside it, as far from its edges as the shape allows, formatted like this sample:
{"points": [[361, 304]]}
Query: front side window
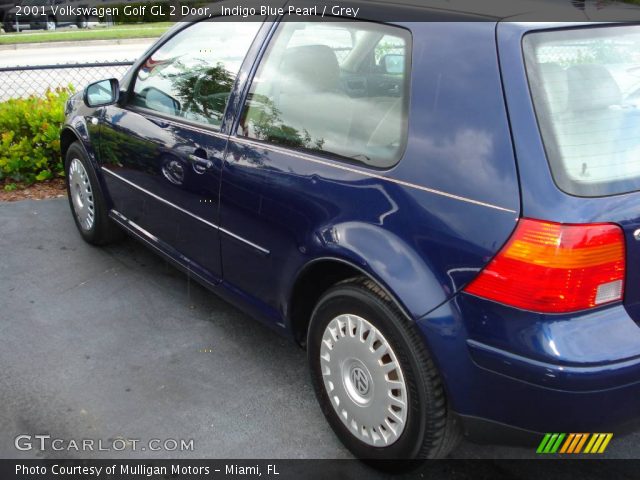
{"points": [[338, 88], [585, 85], [192, 75]]}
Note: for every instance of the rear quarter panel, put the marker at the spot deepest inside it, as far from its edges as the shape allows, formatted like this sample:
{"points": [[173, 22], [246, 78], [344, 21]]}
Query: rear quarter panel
{"points": [[461, 198]]}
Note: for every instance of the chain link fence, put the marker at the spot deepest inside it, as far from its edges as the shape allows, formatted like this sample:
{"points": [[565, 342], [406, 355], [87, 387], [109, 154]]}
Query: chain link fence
{"points": [[20, 82]]}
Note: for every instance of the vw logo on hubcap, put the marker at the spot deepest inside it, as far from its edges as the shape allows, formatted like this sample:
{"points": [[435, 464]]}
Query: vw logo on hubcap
{"points": [[357, 381], [360, 380]]}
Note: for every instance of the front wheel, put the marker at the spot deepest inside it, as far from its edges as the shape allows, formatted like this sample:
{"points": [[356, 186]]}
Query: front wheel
{"points": [[374, 379], [86, 199]]}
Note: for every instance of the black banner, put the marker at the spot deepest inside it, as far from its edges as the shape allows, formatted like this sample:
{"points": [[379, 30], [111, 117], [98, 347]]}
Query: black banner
{"points": [[26, 14], [581, 469]]}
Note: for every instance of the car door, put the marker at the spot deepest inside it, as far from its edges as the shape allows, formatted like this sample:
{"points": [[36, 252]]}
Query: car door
{"points": [[302, 129], [162, 149]]}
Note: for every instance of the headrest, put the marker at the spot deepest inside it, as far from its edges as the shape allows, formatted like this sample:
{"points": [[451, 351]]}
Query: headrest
{"points": [[315, 66], [592, 87], [555, 85]]}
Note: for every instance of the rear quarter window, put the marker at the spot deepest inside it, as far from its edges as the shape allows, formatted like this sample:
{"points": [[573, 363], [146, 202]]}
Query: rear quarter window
{"points": [[585, 86], [336, 88]]}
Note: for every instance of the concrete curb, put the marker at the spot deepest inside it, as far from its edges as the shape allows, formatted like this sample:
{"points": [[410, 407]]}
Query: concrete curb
{"points": [[119, 41]]}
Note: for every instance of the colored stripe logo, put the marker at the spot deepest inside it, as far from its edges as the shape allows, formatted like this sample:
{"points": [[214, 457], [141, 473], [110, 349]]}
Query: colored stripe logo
{"points": [[574, 443]]}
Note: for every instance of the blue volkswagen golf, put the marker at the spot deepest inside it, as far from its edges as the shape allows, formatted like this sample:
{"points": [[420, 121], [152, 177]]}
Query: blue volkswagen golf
{"points": [[446, 215]]}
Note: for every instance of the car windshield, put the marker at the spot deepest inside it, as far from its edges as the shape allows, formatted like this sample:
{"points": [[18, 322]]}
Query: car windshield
{"points": [[585, 85]]}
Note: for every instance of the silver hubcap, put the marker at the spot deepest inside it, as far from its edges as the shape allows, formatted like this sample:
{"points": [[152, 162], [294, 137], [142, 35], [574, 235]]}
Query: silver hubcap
{"points": [[81, 194], [363, 379]]}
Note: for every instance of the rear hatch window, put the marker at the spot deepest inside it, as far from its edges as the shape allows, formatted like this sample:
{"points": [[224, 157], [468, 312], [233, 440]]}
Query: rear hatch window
{"points": [[585, 85]]}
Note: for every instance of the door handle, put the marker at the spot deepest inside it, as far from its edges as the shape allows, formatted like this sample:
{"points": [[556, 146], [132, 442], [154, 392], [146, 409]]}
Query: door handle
{"points": [[200, 165]]}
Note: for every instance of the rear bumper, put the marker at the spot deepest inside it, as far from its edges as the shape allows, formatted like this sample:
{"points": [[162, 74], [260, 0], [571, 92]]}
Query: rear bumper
{"points": [[515, 374]]}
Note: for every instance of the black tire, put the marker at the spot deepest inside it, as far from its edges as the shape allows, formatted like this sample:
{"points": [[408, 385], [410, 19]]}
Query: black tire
{"points": [[82, 22], [431, 429], [103, 229]]}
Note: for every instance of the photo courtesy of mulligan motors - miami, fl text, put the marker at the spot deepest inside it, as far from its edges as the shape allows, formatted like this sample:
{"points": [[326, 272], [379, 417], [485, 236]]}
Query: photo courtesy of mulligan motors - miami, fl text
{"points": [[318, 239]]}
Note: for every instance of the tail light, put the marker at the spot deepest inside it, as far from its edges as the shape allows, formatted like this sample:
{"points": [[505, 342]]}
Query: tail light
{"points": [[555, 268]]}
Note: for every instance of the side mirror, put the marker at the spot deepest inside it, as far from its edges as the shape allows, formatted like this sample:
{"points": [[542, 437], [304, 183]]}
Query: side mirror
{"points": [[393, 64], [102, 93]]}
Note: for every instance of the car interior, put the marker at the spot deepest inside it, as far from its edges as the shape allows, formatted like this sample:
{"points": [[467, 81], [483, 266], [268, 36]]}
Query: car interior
{"points": [[353, 107], [594, 126]]}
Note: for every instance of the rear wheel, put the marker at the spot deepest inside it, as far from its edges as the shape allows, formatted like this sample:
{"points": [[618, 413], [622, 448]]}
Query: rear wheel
{"points": [[86, 199], [374, 379], [51, 23]]}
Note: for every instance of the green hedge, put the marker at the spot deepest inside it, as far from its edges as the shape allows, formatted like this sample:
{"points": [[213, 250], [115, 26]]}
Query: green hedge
{"points": [[30, 137]]}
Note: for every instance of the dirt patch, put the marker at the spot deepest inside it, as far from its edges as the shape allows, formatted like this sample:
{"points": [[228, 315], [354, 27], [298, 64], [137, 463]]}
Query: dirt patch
{"points": [[38, 191]]}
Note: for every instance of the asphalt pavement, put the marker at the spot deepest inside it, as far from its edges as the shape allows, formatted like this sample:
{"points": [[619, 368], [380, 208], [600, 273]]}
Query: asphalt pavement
{"points": [[115, 343]]}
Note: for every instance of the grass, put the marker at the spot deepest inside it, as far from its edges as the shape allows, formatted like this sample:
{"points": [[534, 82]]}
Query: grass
{"points": [[148, 30]]}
